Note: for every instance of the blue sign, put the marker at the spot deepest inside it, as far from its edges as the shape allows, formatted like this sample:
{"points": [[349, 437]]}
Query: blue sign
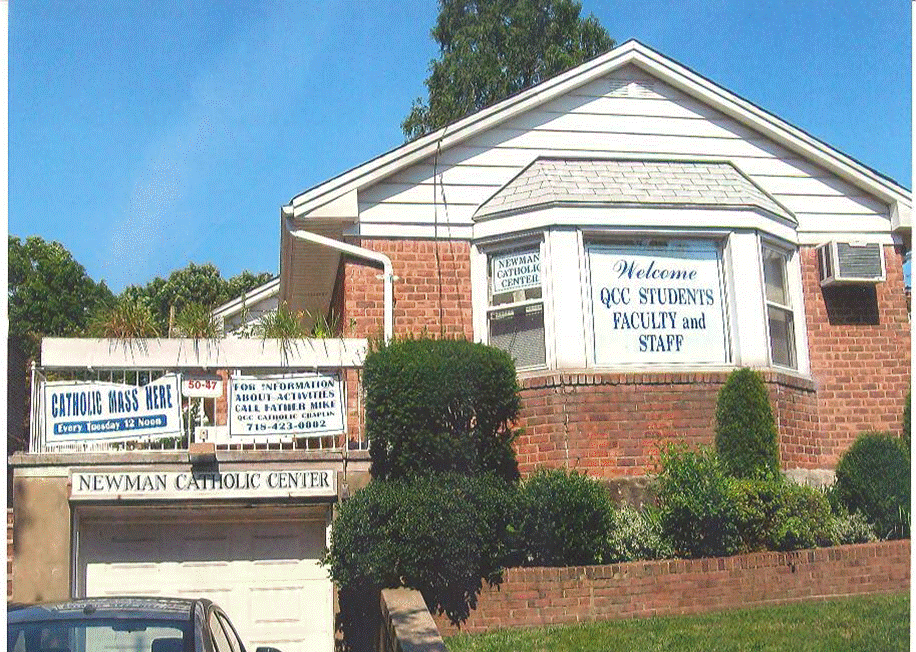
{"points": [[77, 411]]}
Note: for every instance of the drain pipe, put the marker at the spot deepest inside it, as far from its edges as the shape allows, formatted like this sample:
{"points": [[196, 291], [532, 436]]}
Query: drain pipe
{"points": [[358, 252]]}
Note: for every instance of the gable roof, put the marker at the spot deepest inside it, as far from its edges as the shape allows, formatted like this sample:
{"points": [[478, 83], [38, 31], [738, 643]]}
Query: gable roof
{"points": [[335, 198], [630, 182]]}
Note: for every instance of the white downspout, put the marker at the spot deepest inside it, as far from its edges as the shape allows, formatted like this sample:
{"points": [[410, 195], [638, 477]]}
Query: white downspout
{"points": [[359, 252]]}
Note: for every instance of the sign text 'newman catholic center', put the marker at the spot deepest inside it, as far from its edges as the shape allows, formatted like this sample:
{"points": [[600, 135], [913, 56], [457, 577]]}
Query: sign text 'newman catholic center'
{"points": [[190, 485]]}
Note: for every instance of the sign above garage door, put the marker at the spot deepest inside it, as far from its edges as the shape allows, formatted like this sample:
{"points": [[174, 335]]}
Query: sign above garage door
{"points": [[198, 485]]}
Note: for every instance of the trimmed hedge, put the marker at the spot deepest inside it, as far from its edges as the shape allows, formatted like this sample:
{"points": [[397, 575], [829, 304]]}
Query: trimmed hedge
{"points": [[563, 519], [438, 406], [698, 513], [776, 514], [442, 535], [873, 478], [746, 438]]}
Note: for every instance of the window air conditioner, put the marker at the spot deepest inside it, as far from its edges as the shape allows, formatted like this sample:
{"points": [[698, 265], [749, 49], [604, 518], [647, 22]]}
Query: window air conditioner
{"points": [[844, 263]]}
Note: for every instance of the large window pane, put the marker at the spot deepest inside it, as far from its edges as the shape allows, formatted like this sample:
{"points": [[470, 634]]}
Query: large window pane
{"points": [[774, 276], [782, 336]]}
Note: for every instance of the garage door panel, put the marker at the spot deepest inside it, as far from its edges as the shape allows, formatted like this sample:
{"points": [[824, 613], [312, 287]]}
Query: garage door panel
{"points": [[265, 574]]}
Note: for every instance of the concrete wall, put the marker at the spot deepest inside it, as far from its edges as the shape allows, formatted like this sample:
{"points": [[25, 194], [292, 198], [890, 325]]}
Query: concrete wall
{"points": [[41, 538]]}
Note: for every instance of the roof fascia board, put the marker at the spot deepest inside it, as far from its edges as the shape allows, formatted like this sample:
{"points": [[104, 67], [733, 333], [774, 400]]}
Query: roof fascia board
{"points": [[770, 125], [248, 298]]}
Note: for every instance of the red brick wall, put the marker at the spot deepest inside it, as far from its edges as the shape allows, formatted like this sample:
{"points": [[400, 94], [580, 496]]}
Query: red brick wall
{"points": [[859, 343], [610, 424], [532, 597], [430, 294]]}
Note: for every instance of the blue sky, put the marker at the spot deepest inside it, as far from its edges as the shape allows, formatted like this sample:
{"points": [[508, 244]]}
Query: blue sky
{"points": [[146, 135]]}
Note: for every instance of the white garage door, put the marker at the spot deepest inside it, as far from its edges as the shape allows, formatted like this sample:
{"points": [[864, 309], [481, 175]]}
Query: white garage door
{"points": [[260, 566]]}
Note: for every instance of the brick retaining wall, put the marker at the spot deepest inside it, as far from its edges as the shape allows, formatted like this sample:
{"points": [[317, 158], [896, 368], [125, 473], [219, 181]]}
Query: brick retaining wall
{"points": [[611, 424], [532, 597]]}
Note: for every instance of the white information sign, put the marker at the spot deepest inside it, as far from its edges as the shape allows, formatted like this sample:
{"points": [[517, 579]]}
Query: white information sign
{"points": [[657, 304], [202, 386], [519, 270], [76, 411], [190, 485], [290, 405]]}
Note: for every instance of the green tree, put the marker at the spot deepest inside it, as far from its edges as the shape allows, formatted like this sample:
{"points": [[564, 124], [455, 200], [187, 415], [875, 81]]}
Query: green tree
{"points": [[49, 293], [194, 285], [491, 49]]}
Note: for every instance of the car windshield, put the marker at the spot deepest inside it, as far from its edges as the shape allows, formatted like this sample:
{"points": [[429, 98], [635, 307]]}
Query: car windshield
{"points": [[114, 635]]}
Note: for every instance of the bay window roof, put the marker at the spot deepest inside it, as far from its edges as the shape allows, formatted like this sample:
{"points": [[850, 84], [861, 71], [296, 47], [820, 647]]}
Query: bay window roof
{"points": [[549, 181]]}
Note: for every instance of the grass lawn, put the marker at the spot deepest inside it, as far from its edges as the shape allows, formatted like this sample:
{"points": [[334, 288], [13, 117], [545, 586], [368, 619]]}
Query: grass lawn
{"points": [[875, 622]]}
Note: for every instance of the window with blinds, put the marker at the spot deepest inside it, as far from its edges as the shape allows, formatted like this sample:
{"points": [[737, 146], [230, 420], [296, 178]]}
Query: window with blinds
{"points": [[515, 310]]}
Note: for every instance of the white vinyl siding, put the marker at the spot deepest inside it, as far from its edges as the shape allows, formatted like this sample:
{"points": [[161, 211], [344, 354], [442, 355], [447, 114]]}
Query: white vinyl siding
{"points": [[592, 122]]}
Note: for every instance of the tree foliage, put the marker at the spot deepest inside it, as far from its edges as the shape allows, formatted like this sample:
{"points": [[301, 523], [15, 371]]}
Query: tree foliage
{"points": [[491, 49], [49, 292], [193, 287]]}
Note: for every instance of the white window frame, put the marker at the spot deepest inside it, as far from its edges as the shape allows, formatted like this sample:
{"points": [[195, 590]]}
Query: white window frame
{"points": [[792, 290], [484, 254], [719, 240]]}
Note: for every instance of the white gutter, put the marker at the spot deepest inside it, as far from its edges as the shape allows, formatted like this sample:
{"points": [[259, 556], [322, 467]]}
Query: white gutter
{"points": [[359, 252]]}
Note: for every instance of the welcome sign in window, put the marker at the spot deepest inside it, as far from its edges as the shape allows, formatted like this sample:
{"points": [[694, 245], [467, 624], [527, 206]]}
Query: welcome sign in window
{"points": [[658, 303]]}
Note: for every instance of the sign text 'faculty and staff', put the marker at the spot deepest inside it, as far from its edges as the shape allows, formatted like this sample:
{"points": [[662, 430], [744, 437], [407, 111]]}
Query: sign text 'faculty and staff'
{"points": [[294, 405], [93, 411], [190, 485], [657, 304]]}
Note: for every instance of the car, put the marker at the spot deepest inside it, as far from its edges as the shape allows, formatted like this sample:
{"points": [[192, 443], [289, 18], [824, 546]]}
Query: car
{"points": [[123, 624]]}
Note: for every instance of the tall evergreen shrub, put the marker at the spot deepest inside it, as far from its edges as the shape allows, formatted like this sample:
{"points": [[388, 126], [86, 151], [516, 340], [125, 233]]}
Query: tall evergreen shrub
{"points": [[436, 406], [746, 439], [873, 478]]}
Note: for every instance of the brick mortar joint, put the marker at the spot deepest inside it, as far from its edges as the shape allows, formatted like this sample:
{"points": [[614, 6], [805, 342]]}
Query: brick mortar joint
{"points": [[555, 379]]}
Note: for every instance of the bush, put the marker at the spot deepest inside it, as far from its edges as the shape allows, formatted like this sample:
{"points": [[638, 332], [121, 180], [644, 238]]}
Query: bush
{"points": [[442, 535], [851, 528], [775, 514], [873, 478], [435, 406], [746, 439], [563, 519], [636, 535], [696, 507]]}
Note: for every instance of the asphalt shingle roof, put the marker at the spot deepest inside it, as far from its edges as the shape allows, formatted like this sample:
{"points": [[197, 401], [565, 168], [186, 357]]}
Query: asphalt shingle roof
{"points": [[564, 181]]}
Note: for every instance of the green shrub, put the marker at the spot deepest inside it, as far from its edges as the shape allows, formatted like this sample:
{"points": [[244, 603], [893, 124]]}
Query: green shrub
{"points": [[697, 511], [746, 438], [776, 514], [851, 528], [435, 406], [442, 535], [873, 478], [563, 519], [635, 535]]}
